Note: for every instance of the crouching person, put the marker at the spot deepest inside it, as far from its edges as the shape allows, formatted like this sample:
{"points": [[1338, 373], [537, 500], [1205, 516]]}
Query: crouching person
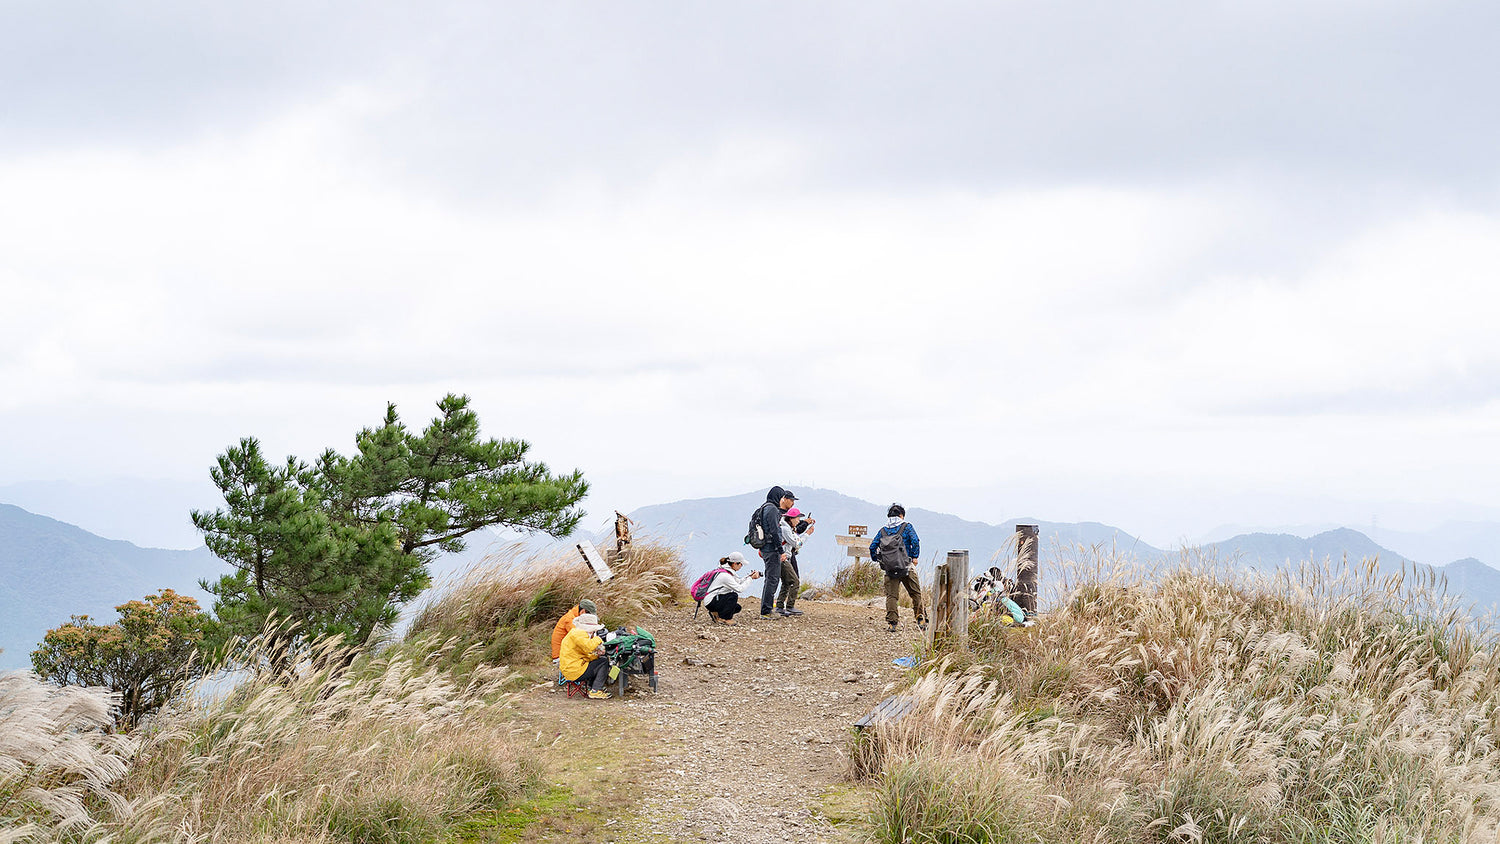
{"points": [[582, 656], [723, 596]]}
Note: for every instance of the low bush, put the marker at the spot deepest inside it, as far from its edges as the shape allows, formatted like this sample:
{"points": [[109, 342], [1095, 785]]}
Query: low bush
{"points": [[860, 579]]}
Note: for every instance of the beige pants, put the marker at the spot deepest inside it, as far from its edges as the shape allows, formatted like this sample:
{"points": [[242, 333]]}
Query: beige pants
{"points": [[893, 596]]}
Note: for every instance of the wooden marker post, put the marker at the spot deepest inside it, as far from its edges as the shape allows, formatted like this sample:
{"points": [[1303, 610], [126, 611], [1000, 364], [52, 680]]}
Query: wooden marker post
{"points": [[950, 600], [1027, 571]]}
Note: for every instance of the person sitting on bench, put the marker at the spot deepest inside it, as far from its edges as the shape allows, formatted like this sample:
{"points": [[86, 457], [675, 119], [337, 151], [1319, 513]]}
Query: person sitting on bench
{"points": [[582, 656], [724, 591]]}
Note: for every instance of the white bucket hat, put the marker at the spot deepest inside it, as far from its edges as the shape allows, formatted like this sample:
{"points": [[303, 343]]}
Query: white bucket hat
{"points": [[587, 621]]}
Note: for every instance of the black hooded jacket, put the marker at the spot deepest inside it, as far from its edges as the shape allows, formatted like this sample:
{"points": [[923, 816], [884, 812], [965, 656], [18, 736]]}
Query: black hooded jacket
{"points": [[770, 521]]}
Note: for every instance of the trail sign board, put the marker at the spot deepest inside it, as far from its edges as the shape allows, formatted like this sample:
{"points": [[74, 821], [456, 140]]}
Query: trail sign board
{"points": [[595, 561], [858, 530]]}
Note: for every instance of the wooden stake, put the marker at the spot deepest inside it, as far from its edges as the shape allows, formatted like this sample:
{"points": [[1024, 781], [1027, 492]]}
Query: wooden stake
{"points": [[1028, 571], [950, 601]]}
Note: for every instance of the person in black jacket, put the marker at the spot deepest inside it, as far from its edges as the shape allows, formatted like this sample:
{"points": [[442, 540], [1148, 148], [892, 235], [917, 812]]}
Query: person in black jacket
{"points": [[778, 501]]}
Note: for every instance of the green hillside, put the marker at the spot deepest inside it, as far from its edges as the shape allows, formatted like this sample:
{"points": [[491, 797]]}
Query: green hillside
{"points": [[50, 571]]}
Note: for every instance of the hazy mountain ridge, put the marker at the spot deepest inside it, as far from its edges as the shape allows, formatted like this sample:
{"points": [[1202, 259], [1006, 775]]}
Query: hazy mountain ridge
{"points": [[51, 571], [709, 528]]}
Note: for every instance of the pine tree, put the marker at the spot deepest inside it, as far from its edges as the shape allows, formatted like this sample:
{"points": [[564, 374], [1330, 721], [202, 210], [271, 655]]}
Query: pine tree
{"points": [[337, 547]]}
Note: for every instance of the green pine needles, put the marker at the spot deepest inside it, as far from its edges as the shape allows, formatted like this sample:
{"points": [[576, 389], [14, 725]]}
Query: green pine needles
{"points": [[337, 546]]}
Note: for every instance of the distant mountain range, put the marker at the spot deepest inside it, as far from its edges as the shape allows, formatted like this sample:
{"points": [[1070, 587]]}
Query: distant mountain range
{"points": [[708, 528], [51, 571]]}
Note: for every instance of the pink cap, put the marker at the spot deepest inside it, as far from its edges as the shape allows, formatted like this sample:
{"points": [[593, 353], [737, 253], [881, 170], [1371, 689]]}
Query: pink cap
{"points": [[794, 513]]}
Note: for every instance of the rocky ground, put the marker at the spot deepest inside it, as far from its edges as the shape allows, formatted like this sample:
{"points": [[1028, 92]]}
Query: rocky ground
{"points": [[749, 726]]}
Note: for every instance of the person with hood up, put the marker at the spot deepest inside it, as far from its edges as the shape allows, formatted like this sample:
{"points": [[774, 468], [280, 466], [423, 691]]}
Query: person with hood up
{"points": [[778, 501], [582, 657], [564, 625], [899, 565]]}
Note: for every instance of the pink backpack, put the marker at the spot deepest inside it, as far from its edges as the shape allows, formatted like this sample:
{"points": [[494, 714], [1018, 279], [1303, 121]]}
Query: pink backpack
{"points": [[700, 588]]}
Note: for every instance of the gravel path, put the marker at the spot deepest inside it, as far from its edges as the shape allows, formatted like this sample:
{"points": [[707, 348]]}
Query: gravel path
{"points": [[749, 724], [774, 701]]}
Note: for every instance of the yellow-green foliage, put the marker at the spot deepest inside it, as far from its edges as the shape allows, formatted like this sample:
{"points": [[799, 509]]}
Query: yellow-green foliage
{"points": [[1325, 704]]}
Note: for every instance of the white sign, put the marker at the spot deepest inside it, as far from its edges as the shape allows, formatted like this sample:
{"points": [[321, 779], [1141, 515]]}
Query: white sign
{"points": [[595, 562]]}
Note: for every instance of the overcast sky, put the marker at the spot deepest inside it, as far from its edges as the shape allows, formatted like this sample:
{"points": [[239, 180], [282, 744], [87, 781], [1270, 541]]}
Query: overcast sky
{"points": [[1162, 265]]}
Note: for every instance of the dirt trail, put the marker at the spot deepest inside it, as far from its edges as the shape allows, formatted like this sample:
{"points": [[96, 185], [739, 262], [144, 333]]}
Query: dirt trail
{"points": [[747, 728]]}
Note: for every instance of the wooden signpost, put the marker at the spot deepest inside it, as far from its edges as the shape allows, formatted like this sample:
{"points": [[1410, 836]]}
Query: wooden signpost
{"points": [[856, 544]]}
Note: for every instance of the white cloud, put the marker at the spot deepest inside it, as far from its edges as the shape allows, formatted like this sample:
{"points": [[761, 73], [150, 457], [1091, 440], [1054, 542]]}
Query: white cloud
{"points": [[729, 315]]}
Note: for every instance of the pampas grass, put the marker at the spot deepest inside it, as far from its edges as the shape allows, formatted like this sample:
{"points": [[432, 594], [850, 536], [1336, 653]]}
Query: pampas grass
{"points": [[386, 749], [58, 763], [1321, 703], [492, 604]]}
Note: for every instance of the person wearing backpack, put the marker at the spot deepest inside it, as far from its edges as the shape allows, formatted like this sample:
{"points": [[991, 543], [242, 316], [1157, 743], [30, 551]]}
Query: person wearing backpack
{"points": [[895, 547], [722, 593], [765, 526]]}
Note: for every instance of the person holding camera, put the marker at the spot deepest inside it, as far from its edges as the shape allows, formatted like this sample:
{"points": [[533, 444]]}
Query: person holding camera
{"points": [[796, 526], [722, 598], [895, 547]]}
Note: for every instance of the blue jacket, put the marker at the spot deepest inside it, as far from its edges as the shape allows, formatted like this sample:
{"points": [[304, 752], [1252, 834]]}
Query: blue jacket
{"points": [[908, 535]]}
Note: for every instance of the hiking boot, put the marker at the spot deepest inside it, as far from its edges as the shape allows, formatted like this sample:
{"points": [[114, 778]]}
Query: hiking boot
{"points": [[893, 627], [792, 612], [769, 616], [921, 627], [598, 694]]}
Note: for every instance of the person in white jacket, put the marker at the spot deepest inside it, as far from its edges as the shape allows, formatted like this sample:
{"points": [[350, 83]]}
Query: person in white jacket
{"points": [[722, 598], [795, 529]]}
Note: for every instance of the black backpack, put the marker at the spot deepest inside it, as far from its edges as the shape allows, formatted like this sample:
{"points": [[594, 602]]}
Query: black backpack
{"points": [[756, 537], [890, 552]]}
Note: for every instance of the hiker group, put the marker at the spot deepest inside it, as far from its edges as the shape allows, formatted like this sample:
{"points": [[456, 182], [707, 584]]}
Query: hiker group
{"points": [[777, 532], [588, 656]]}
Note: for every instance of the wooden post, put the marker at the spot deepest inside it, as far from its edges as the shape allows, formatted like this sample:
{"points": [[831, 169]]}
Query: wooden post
{"points": [[622, 534], [950, 600], [942, 605], [958, 596], [1027, 566]]}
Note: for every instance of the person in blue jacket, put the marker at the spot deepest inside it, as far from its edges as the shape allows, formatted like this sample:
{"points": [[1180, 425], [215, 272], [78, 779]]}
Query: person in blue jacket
{"points": [[900, 572]]}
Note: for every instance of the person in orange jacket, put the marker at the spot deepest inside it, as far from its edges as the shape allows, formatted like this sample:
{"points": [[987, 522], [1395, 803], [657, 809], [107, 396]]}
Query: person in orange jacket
{"points": [[565, 624]]}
